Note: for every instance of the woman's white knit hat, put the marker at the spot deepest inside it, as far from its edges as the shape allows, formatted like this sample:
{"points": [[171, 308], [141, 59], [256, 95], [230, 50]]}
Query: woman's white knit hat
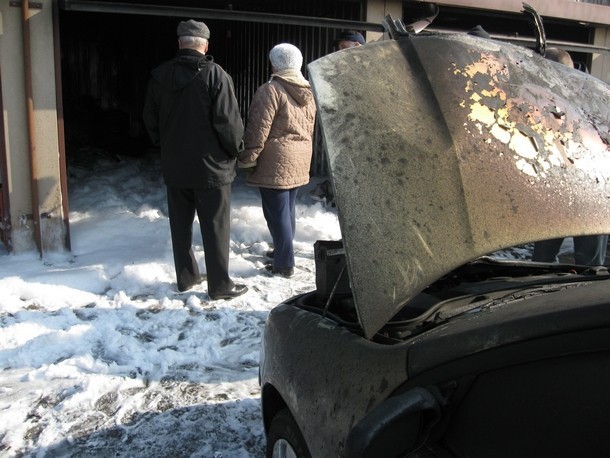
{"points": [[285, 55]]}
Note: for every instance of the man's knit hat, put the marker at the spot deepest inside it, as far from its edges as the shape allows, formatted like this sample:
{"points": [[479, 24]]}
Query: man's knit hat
{"points": [[284, 56], [350, 35]]}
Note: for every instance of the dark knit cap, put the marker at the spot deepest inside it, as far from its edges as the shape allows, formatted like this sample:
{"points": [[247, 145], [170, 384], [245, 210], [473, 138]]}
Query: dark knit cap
{"points": [[350, 35]]}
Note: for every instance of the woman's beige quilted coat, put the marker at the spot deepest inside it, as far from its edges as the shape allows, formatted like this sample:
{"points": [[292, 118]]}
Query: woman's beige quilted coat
{"points": [[278, 137]]}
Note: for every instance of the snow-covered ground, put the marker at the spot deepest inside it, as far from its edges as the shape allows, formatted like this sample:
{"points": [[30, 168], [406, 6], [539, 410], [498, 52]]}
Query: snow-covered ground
{"points": [[101, 356]]}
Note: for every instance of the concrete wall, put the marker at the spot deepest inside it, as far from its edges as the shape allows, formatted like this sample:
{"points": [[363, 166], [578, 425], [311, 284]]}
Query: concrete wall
{"points": [[600, 67], [561, 9], [376, 10], [44, 127]]}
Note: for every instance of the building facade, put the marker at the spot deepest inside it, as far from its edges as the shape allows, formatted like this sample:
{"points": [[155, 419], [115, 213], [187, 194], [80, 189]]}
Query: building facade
{"points": [[73, 74]]}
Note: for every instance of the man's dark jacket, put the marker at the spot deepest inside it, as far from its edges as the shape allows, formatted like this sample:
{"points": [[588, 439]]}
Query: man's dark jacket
{"points": [[191, 112]]}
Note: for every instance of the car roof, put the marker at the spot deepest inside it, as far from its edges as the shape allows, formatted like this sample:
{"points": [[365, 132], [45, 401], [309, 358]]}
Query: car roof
{"points": [[444, 148]]}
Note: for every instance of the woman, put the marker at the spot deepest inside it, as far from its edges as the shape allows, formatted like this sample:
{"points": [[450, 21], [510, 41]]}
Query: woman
{"points": [[278, 148]]}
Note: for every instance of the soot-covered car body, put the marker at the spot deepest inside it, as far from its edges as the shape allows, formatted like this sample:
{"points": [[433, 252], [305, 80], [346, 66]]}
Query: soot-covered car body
{"points": [[444, 150]]}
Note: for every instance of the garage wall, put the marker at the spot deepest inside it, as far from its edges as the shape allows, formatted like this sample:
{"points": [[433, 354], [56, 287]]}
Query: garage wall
{"points": [[27, 230], [600, 66]]}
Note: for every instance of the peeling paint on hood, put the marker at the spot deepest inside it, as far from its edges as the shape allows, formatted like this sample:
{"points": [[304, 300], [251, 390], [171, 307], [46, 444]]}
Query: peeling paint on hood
{"points": [[555, 128], [446, 148]]}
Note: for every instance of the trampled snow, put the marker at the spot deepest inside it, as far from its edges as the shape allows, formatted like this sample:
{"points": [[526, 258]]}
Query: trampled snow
{"points": [[101, 356]]}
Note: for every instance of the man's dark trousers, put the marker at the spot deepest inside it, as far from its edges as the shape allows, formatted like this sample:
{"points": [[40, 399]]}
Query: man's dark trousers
{"points": [[589, 250], [213, 207]]}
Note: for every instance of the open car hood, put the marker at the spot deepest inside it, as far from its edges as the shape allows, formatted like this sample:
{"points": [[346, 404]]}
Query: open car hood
{"points": [[444, 148]]}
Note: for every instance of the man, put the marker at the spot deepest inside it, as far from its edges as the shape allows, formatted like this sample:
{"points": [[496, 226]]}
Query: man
{"points": [[349, 39], [479, 31], [191, 112]]}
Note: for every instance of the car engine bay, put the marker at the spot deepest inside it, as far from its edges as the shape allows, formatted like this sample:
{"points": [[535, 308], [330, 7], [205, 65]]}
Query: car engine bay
{"points": [[478, 285]]}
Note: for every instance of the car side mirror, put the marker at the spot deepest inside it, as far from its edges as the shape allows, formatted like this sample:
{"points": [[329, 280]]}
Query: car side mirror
{"points": [[398, 425]]}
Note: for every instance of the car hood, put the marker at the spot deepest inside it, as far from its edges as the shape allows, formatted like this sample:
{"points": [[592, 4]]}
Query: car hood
{"points": [[444, 148]]}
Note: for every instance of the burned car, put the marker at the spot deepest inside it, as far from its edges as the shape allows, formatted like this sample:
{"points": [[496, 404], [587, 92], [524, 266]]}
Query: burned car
{"points": [[443, 150]]}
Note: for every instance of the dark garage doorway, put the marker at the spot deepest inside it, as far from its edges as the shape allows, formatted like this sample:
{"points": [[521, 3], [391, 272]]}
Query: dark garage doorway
{"points": [[106, 58]]}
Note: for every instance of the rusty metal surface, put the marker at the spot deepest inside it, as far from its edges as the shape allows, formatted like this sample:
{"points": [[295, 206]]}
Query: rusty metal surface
{"points": [[446, 148]]}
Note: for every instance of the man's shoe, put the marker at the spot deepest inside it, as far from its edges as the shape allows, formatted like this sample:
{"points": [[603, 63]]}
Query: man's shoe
{"points": [[237, 290], [283, 271], [200, 280]]}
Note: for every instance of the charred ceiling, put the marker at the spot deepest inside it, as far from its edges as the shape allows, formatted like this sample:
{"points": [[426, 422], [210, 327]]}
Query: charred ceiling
{"points": [[332, 14]]}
